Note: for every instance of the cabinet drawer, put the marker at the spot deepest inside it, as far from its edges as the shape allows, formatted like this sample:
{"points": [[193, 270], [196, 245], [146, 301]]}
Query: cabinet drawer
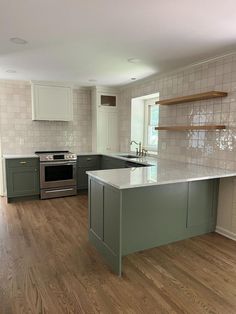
{"points": [[88, 161], [22, 162]]}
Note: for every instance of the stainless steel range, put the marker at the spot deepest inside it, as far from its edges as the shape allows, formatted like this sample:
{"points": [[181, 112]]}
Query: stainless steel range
{"points": [[57, 173]]}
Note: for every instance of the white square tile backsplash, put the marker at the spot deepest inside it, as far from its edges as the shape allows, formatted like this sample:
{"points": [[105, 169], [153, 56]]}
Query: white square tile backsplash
{"points": [[215, 148], [21, 135]]}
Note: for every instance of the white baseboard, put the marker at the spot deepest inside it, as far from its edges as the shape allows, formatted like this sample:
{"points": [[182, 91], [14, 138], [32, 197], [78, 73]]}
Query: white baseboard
{"points": [[226, 233]]}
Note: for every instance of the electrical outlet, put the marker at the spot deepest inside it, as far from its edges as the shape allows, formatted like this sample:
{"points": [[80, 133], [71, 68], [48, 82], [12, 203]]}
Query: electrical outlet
{"points": [[163, 146]]}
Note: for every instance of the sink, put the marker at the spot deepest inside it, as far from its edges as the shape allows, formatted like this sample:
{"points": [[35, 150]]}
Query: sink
{"points": [[129, 156]]}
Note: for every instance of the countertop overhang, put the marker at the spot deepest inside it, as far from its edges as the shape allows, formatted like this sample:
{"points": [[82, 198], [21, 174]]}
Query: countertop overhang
{"points": [[161, 171]]}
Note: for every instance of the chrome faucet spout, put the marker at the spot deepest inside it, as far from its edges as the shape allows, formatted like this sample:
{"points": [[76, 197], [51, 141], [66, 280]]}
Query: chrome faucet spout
{"points": [[134, 142], [139, 149]]}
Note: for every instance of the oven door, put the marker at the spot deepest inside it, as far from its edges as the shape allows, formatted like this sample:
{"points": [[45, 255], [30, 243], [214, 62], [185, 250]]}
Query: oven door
{"points": [[57, 174]]}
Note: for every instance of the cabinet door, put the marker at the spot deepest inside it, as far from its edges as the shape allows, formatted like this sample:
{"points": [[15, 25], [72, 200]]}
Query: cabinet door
{"points": [[52, 103], [200, 202], [108, 130], [102, 131], [96, 208], [113, 132], [111, 218], [86, 163], [22, 181], [82, 177]]}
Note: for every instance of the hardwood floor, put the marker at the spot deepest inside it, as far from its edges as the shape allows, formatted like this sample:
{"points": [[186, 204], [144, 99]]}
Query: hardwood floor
{"points": [[48, 266]]}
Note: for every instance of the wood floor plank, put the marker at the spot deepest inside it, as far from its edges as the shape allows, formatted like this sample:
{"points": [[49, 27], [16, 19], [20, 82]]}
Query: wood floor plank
{"points": [[47, 266]]}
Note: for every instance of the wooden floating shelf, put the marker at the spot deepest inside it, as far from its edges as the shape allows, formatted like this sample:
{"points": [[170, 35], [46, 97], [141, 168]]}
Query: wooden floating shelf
{"points": [[190, 98], [190, 127]]}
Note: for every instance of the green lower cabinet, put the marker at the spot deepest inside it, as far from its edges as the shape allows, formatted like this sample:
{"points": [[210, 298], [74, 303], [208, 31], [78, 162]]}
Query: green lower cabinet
{"points": [[22, 177], [86, 163], [95, 162], [82, 177], [122, 222], [112, 163]]}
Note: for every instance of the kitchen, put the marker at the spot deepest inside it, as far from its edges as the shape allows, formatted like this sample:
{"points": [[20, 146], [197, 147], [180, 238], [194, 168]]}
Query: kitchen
{"points": [[51, 261]]}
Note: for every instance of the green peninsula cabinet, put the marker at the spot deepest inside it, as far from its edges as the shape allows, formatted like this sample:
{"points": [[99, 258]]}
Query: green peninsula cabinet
{"points": [[22, 178], [123, 221]]}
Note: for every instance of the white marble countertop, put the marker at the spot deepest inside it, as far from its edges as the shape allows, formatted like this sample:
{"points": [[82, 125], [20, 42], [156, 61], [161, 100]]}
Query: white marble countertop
{"points": [[20, 156], [6, 156], [141, 160], [161, 172]]}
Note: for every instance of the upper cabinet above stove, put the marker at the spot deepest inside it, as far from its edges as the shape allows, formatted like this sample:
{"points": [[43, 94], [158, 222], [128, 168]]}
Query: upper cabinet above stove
{"points": [[51, 102]]}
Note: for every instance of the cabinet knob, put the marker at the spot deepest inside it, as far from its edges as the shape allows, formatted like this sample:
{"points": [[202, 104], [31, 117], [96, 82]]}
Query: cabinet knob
{"points": [[35, 170], [88, 159]]}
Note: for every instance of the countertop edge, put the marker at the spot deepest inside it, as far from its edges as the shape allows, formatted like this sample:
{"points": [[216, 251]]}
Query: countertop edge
{"points": [[165, 182]]}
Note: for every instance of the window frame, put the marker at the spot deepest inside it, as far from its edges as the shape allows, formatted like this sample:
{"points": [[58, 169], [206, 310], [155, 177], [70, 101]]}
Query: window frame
{"points": [[147, 119]]}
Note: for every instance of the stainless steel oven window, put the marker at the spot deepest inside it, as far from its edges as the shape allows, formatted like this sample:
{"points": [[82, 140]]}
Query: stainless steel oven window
{"points": [[57, 174]]}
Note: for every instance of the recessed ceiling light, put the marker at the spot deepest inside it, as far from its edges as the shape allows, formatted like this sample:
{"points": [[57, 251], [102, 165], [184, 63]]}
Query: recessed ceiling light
{"points": [[134, 60], [133, 78], [11, 71], [18, 41], [92, 80]]}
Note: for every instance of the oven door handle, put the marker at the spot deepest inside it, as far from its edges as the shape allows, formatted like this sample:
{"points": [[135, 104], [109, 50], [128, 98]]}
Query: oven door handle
{"points": [[58, 163]]}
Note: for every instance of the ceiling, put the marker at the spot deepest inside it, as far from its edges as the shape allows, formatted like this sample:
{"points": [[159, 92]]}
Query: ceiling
{"points": [[82, 40]]}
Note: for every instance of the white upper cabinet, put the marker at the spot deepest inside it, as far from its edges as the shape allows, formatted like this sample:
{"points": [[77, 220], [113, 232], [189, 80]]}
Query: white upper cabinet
{"points": [[105, 120], [52, 102]]}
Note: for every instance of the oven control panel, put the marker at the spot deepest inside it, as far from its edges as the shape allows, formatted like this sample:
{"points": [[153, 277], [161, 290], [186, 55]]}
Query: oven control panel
{"points": [[49, 157], [70, 157], [58, 157]]}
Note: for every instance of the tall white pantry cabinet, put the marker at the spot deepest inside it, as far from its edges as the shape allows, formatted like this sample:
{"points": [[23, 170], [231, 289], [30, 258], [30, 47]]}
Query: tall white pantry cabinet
{"points": [[104, 120]]}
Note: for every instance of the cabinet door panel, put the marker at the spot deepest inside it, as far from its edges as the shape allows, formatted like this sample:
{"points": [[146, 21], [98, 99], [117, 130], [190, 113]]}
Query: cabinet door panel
{"points": [[22, 181], [102, 131], [200, 202], [52, 102], [112, 218], [82, 177], [113, 132], [108, 130], [96, 208]]}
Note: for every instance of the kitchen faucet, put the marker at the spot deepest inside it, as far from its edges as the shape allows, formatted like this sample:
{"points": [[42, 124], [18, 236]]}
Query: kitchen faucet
{"points": [[139, 151]]}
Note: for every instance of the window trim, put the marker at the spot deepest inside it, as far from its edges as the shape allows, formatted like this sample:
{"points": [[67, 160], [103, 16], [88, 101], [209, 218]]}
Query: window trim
{"points": [[150, 148]]}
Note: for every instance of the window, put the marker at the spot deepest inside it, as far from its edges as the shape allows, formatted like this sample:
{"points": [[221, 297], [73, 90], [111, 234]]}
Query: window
{"points": [[144, 119], [151, 121]]}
